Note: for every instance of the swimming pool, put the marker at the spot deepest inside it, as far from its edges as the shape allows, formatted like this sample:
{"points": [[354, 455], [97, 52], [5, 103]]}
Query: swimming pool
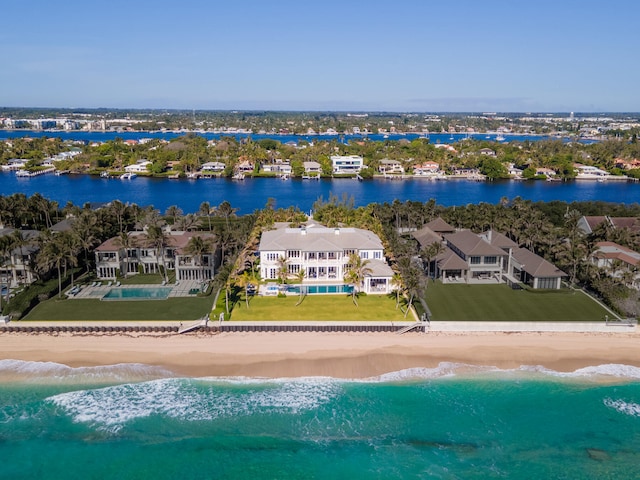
{"points": [[320, 289], [138, 293]]}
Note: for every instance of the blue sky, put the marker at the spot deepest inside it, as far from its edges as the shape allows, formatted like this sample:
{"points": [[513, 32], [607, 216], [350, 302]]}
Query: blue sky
{"points": [[407, 55]]}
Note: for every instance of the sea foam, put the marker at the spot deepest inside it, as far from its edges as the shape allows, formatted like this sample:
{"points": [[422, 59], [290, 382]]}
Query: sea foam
{"points": [[44, 372], [111, 408], [628, 408], [448, 370]]}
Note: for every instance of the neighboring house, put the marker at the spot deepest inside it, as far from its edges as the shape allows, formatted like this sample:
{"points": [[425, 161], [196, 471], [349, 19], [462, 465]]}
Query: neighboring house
{"points": [[324, 253], [427, 169], [589, 172], [18, 268], [312, 167], [213, 167], [489, 257], [347, 164], [514, 171], [621, 262], [487, 151], [15, 164], [245, 167], [141, 166], [589, 223], [112, 259], [281, 167], [547, 172], [387, 166]]}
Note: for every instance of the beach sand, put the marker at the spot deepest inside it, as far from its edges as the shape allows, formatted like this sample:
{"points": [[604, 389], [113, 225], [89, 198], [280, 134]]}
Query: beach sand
{"points": [[340, 355]]}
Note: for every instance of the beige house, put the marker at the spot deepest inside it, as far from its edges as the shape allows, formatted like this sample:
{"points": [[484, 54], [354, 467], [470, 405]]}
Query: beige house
{"points": [[113, 260]]}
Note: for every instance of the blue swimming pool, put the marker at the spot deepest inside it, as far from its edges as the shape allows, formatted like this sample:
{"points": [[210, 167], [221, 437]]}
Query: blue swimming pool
{"points": [[320, 289], [138, 293]]}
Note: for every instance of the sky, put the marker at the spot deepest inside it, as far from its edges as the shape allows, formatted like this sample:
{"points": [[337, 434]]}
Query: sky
{"points": [[339, 55]]}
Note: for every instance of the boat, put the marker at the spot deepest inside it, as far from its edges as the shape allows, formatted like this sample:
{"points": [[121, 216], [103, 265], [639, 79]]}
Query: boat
{"points": [[500, 138], [238, 176], [104, 174], [128, 176]]}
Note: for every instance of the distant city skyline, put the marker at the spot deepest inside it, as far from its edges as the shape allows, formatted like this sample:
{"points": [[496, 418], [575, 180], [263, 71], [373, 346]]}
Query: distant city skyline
{"points": [[463, 56]]}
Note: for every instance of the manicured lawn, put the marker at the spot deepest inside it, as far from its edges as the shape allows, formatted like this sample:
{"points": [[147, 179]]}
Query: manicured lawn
{"points": [[501, 303], [190, 308], [319, 307]]}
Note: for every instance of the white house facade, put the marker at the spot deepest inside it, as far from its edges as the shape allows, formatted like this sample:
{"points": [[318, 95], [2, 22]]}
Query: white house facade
{"points": [[349, 164], [323, 253]]}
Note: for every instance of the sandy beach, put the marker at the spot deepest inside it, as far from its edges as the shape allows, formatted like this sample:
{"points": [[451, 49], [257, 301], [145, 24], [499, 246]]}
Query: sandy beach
{"points": [[340, 355]]}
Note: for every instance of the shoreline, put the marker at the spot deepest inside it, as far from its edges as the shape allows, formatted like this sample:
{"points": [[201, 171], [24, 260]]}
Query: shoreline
{"points": [[337, 355]]}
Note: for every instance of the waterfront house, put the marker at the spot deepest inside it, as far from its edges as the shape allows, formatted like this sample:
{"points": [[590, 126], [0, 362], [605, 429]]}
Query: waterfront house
{"points": [[279, 167], [245, 167], [619, 262], [213, 167], [312, 167], [487, 151], [347, 164], [488, 257], [114, 260], [141, 166], [323, 253], [18, 267], [428, 169], [390, 167], [589, 172], [15, 164]]}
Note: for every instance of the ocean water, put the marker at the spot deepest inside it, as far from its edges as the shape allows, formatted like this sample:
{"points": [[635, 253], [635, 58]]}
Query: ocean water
{"points": [[450, 422]]}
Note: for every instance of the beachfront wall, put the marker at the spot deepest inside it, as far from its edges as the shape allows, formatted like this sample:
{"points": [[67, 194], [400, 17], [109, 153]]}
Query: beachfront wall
{"points": [[323, 253]]}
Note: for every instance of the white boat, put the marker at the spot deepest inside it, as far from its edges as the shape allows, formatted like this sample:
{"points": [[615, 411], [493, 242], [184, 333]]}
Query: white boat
{"points": [[500, 138], [104, 174], [238, 176], [128, 176]]}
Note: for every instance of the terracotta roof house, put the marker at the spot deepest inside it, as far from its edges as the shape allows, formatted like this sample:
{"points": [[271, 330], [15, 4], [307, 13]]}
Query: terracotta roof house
{"points": [[589, 223], [619, 261], [113, 260]]}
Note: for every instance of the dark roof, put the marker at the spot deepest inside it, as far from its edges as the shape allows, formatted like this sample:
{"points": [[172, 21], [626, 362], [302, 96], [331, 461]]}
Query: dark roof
{"points": [[448, 260], [499, 240], [438, 225], [425, 236], [63, 225], [471, 244], [535, 265]]}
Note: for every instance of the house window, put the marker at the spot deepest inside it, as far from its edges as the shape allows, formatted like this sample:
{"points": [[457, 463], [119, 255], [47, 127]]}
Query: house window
{"points": [[273, 273], [294, 254], [364, 255], [490, 260], [293, 269], [311, 255], [475, 260], [332, 255], [377, 255], [272, 257], [547, 283]]}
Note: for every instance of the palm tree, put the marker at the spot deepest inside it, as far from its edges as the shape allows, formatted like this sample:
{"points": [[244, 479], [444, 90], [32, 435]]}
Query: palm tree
{"points": [[53, 254], [244, 281], [158, 240], [428, 253], [283, 269], [119, 209], [85, 229], [396, 281], [6, 246], [125, 242], [197, 248], [205, 210], [174, 212], [300, 277], [357, 270]]}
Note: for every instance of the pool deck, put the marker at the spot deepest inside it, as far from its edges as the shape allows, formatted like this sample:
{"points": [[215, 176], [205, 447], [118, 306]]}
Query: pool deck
{"points": [[181, 289]]}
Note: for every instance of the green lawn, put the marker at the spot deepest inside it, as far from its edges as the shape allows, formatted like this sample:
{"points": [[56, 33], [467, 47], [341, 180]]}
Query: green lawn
{"points": [[501, 303], [190, 308], [319, 307]]}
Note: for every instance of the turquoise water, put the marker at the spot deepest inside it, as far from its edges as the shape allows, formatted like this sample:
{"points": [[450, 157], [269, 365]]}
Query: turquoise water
{"points": [[140, 422], [138, 293], [321, 289]]}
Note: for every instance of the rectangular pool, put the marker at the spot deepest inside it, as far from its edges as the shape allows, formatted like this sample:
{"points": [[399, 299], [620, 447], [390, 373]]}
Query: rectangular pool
{"points": [[320, 289], [138, 293]]}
